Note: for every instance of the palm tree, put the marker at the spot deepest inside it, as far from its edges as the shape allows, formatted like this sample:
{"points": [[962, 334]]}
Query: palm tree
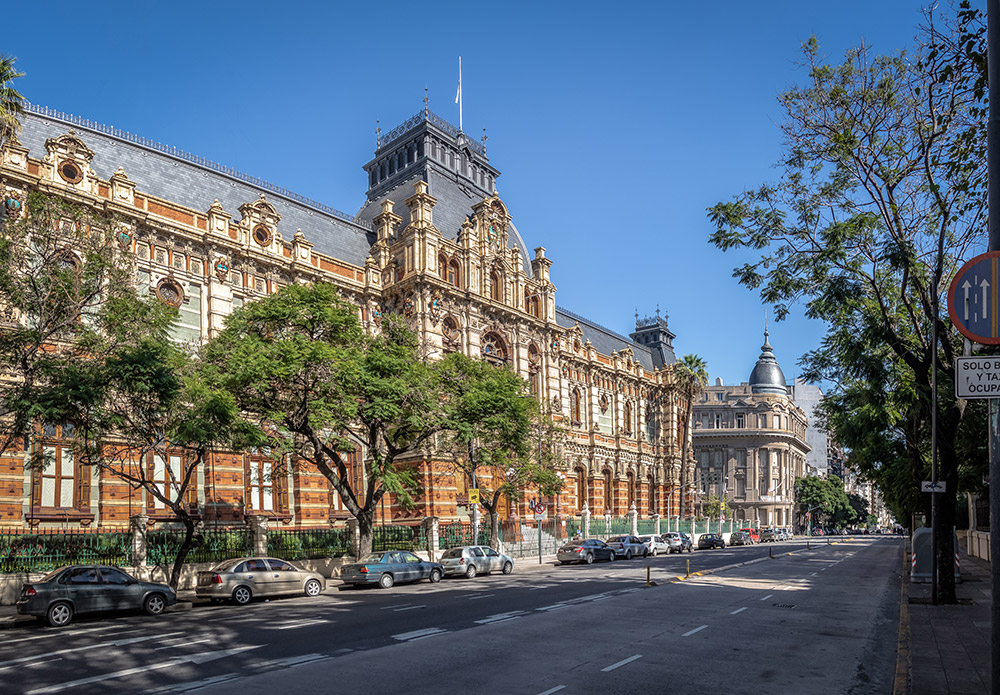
{"points": [[693, 373], [11, 101]]}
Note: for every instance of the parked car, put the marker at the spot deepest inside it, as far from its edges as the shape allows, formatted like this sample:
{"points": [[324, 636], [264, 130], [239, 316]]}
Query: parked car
{"points": [[586, 551], [707, 541], [817, 532], [740, 538], [753, 533], [655, 544], [786, 533], [242, 578], [389, 567], [628, 546], [471, 560], [77, 589], [679, 542], [768, 535]]}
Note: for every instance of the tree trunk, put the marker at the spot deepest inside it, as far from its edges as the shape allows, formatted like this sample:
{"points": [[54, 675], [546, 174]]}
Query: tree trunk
{"points": [[494, 518], [366, 531], [186, 545]]}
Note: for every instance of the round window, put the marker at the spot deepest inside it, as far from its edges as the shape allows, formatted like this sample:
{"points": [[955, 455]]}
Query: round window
{"points": [[70, 172], [169, 292], [262, 235]]}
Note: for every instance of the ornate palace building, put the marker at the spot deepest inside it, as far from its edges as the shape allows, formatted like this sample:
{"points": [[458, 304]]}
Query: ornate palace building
{"points": [[433, 242], [750, 444]]}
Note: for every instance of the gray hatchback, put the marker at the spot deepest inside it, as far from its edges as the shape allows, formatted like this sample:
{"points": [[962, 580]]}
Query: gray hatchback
{"points": [[471, 560], [68, 591]]}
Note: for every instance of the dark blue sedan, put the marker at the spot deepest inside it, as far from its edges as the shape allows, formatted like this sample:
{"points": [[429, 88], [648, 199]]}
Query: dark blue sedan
{"points": [[389, 567]]}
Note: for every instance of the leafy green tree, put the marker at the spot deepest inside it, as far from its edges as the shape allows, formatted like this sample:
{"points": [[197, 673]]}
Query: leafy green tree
{"points": [[497, 434], [302, 369], [873, 212], [693, 375], [11, 101]]}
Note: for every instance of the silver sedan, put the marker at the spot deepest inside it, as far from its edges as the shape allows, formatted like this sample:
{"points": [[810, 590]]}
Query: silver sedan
{"points": [[471, 560], [243, 578]]}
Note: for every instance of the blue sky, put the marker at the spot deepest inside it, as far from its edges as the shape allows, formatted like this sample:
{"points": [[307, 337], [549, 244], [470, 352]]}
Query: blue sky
{"points": [[615, 125]]}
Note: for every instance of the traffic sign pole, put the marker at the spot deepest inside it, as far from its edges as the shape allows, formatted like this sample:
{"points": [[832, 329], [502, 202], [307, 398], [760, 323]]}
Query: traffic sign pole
{"points": [[993, 187]]}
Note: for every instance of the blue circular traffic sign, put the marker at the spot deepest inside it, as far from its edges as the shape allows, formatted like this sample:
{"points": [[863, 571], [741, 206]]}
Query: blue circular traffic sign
{"points": [[972, 299]]}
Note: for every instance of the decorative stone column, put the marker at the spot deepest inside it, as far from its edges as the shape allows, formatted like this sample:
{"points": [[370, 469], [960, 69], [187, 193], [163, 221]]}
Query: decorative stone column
{"points": [[138, 525], [585, 516], [633, 518], [656, 524], [355, 533], [431, 526], [258, 528]]}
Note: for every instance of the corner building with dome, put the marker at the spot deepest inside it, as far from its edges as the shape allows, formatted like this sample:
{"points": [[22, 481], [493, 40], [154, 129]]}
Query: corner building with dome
{"points": [[750, 444], [434, 243]]}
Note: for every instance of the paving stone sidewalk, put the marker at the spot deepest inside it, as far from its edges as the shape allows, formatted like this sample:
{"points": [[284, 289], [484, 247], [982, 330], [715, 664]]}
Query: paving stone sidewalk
{"points": [[949, 646]]}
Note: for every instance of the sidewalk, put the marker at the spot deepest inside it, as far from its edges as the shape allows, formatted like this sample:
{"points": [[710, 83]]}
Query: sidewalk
{"points": [[945, 650]]}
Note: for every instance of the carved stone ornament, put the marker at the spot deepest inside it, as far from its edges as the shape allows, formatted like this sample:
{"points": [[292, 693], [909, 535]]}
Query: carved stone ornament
{"points": [[124, 236], [13, 204], [376, 312], [169, 292], [436, 307], [221, 268], [408, 307], [450, 331], [603, 403], [556, 405]]}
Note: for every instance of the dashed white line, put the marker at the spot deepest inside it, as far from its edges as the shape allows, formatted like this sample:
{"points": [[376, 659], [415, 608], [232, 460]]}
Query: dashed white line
{"points": [[691, 632], [814, 574], [419, 634], [738, 610], [398, 605], [408, 608], [500, 617], [301, 623], [60, 635], [621, 663], [767, 597], [553, 607], [474, 598], [183, 642], [117, 643], [552, 690]]}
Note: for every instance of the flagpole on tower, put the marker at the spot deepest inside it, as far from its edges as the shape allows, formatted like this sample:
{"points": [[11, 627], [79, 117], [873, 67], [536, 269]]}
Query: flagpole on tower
{"points": [[458, 96]]}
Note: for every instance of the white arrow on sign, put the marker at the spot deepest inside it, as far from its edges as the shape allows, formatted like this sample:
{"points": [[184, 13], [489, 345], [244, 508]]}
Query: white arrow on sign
{"points": [[966, 286], [929, 486], [985, 285]]}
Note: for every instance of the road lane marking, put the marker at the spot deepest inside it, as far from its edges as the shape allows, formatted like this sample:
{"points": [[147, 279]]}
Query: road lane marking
{"points": [[195, 658], [553, 607], [621, 663], [824, 569], [473, 598], [408, 608], [738, 610], [767, 597], [552, 690], [419, 634], [301, 623], [814, 574], [499, 617], [117, 643], [691, 632], [183, 642], [204, 683], [398, 605]]}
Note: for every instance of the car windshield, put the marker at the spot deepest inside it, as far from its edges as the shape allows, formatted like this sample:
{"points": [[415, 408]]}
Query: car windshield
{"points": [[372, 557], [452, 552]]}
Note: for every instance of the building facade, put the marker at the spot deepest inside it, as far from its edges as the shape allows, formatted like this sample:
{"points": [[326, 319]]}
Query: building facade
{"points": [[434, 243], [750, 444]]}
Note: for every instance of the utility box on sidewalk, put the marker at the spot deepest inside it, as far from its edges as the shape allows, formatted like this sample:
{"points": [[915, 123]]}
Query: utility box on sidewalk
{"points": [[923, 556]]}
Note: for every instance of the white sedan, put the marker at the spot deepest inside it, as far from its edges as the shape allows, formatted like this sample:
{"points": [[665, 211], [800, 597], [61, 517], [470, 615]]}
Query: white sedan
{"points": [[655, 544]]}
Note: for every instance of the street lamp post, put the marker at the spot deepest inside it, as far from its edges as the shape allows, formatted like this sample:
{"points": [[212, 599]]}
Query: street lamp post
{"points": [[774, 504], [809, 512]]}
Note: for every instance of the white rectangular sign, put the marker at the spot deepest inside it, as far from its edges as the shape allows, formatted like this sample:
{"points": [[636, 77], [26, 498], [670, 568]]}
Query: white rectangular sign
{"points": [[977, 377], [929, 486]]}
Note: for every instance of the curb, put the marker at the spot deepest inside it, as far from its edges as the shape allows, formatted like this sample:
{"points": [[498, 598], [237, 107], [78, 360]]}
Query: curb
{"points": [[901, 682]]}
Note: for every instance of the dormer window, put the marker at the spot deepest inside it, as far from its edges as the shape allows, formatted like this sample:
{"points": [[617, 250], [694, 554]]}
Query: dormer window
{"points": [[262, 235], [70, 172]]}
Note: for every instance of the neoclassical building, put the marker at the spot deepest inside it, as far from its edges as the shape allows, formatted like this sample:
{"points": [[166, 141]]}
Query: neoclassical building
{"points": [[434, 242], [750, 444]]}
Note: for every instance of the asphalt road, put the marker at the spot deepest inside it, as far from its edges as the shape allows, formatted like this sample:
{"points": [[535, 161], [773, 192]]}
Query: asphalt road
{"points": [[819, 620]]}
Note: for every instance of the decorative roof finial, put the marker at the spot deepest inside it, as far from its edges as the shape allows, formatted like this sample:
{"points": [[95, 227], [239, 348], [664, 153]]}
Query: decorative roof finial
{"points": [[484, 140], [657, 312], [637, 318], [766, 347], [426, 110], [378, 134]]}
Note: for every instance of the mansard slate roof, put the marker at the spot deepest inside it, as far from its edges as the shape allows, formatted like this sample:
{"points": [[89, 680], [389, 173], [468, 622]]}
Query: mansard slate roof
{"points": [[604, 340], [180, 178]]}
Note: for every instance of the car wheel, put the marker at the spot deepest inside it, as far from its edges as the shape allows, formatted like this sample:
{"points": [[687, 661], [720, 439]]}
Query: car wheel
{"points": [[614, 556], [628, 554], [589, 559], [59, 614], [508, 567], [242, 595], [435, 576], [154, 604], [385, 581], [313, 588], [645, 552], [723, 546], [470, 571]]}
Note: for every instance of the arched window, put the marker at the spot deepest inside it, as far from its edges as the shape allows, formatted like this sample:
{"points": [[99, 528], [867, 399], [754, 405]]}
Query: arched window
{"points": [[608, 497], [493, 349], [452, 336], [631, 487], [581, 488], [496, 288], [575, 409], [443, 267], [454, 276], [651, 487], [531, 306], [628, 418]]}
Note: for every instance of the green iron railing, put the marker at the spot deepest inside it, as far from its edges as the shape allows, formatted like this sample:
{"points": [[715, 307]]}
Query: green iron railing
{"points": [[305, 544], [45, 550], [396, 538], [211, 545]]}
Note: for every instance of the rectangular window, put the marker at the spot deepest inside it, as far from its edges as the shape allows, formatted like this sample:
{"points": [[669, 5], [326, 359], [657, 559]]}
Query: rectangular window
{"points": [[261, 483], [188, 325], [161, 256], [59, 476], [179, 261], [196, 266], [168, 475], [741, 420]]}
